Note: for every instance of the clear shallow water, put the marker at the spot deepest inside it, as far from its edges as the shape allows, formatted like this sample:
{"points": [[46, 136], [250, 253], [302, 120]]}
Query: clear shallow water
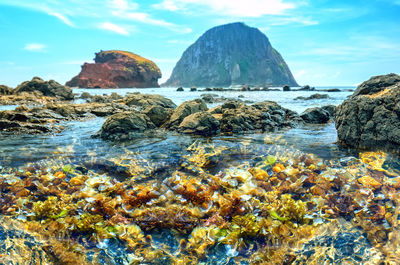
{"points": [[286, 99], [76, 141]]}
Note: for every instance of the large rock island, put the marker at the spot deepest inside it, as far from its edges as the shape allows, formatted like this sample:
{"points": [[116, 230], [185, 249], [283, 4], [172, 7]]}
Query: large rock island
{"points": [[113, 69], [228, 55]]}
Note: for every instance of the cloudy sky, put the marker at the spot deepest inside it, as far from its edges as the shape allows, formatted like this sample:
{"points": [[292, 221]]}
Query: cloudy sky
{"points": [[337, 42]]}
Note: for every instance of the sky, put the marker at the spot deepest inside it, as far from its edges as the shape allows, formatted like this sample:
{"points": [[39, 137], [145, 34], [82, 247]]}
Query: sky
{"points": [[325, 43]]}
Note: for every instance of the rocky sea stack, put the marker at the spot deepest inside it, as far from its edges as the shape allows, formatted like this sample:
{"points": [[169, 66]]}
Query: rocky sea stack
{"points": [[228, 55], [117, 69]]}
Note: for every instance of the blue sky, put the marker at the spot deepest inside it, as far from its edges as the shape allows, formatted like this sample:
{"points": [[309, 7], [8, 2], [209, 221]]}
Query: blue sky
{"points": [[324, 42]]}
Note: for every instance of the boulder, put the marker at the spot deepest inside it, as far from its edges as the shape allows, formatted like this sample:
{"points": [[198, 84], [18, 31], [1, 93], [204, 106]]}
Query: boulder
{"points": [[370, 118], [113, 69], [286, 88], [143, 101], [157, 114], [306, 88], [331, 109], [47, 88], [193, 89], [184, 110], [314, 96], [123, 125], [376, 84], [180, 89], [200, 123], [315, 116], [237, 117], [5, 90], [85, 95]]}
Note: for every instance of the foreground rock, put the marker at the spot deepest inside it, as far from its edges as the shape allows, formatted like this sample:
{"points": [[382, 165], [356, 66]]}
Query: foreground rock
{"points": [[316, 116], [200, 123], [184, 110], [370, 117], [113, 69], [47, 88], [121, 126], [49, 118]]}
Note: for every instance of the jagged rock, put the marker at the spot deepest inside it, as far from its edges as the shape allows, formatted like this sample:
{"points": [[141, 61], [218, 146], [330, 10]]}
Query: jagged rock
{"points": [[331, 109], [193, 89], [5, 90], [180, 89], [370, 117], [122, 125], [315, 115], [200, 123], [376, 84], [85, 95], [314, 96], [237, 117], [114, 69], [143, 101], [157, 114], [47, 88], [184, 110], [229, 55], [306, 88]]}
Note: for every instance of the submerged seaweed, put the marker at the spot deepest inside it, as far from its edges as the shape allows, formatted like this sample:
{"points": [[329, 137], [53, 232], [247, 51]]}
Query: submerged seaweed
{"points": [[272, 208]]}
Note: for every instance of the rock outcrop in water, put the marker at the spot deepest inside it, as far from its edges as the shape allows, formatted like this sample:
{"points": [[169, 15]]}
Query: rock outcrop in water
{"points": [[228, 55], [47, 88], [370, 118], [114, 69], [193, 117]]}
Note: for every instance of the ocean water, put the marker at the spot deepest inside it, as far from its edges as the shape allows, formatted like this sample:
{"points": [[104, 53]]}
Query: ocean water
{"points": [[76, 141], [48, 169]]}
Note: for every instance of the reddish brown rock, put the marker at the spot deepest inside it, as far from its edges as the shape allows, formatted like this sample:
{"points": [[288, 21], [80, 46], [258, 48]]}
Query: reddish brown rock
{"points": [[114, 69]]}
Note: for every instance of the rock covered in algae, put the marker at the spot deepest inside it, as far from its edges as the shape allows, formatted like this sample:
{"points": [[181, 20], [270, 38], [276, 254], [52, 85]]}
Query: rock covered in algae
{"points": [[370, 117]]}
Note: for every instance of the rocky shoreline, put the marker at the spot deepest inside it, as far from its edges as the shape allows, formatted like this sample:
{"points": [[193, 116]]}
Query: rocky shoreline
{"points": [[369, 119]]}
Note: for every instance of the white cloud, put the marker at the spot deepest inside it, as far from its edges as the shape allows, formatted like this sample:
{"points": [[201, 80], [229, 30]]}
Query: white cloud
{"points": [[62, 18], [147, 19], [114, 28], [35, 47], [236, 8]]}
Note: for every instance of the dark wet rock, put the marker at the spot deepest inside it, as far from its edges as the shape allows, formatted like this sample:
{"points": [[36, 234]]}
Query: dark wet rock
{"points": [[306, 88], [286, 88], [143, 101], [237, 117], [245, 88], [85, 95], [314, 96], [376, 84], [192, 89], [200, 123], [122, 125], [330, 109], [315, 115], [180, 89], [26, 121], [369, 119], [5, 90], [47, 88], [208, 89], [330, 90], [157, 114], [184, 110]]}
